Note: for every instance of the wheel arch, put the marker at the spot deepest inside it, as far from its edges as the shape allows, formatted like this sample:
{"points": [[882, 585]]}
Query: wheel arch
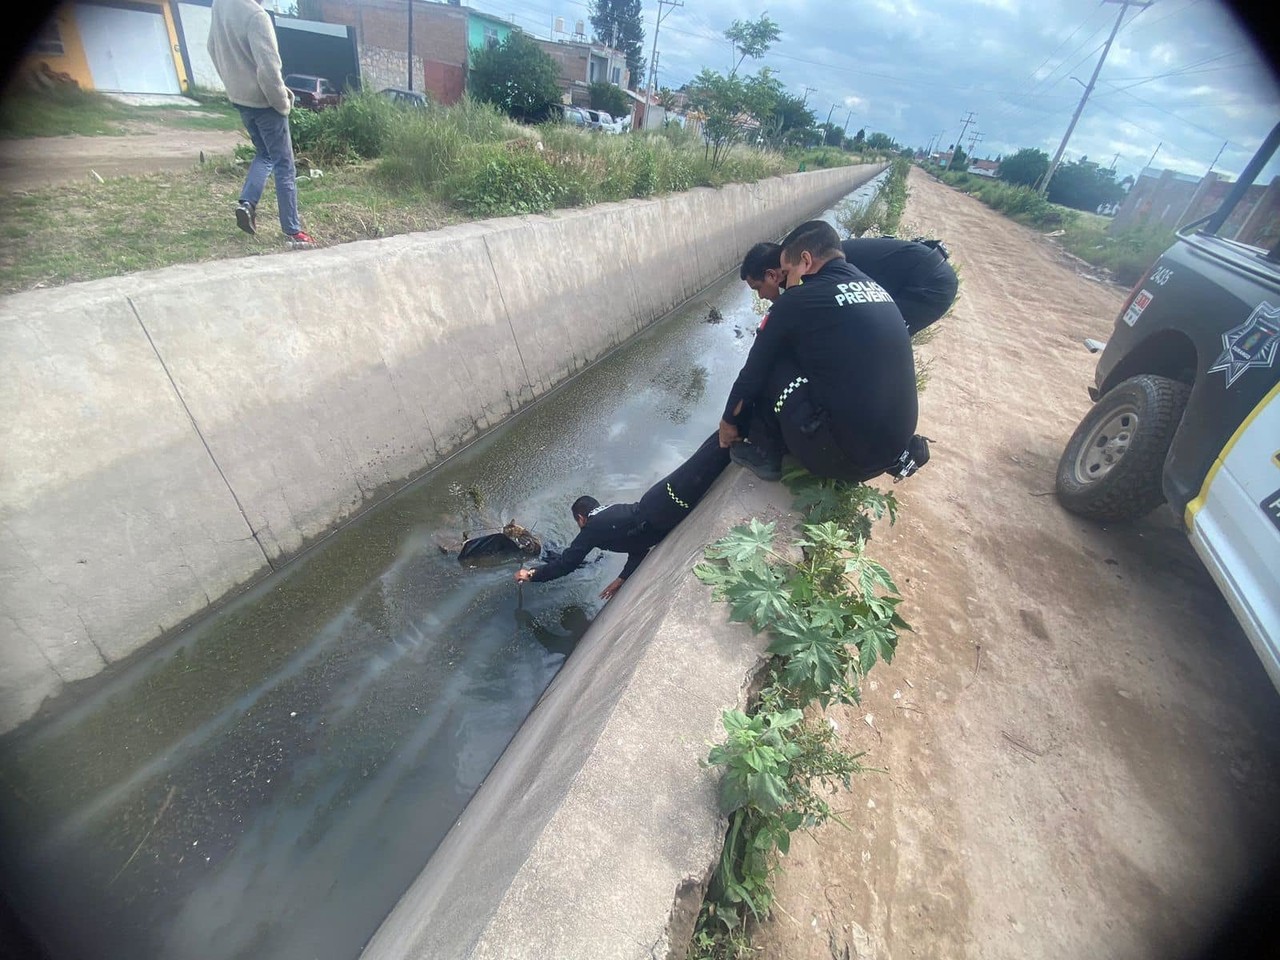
{"points": [[1167, 353]]}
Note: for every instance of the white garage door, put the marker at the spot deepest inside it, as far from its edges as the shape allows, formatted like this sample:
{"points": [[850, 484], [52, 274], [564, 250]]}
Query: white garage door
{"points": [[128, 50]]}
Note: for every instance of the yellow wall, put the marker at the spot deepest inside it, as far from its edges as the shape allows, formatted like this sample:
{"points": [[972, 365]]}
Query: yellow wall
{"points": [[73, 60]]}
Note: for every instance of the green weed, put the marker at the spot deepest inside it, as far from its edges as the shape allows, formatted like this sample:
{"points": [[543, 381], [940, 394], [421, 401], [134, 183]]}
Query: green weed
{"points": [[831, 615]]}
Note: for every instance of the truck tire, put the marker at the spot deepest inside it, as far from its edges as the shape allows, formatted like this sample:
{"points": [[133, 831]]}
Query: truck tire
{"points": [[1112, 468]]}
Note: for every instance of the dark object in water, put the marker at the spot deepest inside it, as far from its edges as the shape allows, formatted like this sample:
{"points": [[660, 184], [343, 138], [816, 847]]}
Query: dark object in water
{"points": [[492, 549], [713, 315]]}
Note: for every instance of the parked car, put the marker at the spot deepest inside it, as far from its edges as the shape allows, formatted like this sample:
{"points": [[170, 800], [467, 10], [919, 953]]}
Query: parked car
{"points": [[1187, 411], [576, 116], [599, 120], [414, 99], [314, 93]]}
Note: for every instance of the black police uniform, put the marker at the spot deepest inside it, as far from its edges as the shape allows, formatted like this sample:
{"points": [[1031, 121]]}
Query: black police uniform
{"points": [[833, 364], [635, 528], [915, 274]]}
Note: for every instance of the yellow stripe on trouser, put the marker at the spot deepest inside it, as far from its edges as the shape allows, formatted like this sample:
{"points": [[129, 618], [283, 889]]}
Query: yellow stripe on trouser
{"points": [[1196, 505], [672, 494]]}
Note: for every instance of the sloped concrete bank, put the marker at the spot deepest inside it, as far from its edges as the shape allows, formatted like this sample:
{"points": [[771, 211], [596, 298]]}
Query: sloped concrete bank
{"points": [[596, 832], [171, 436]]}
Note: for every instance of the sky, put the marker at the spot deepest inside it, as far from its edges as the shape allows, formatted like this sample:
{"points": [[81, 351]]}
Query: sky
{"points": [[1181, 74]]}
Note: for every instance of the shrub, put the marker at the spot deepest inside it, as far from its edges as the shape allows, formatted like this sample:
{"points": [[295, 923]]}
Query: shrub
{"points": [[610, 99], [519, 77], [360, 128], [496, 181]]}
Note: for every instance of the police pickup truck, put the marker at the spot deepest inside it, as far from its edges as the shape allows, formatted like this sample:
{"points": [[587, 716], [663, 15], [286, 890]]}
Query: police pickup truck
{"points": [[1187, 411]]}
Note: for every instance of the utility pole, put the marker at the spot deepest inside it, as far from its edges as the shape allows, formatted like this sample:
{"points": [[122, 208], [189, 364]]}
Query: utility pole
{"points": [[967, 120], [1153, 155], [1114, 160], [410, 48], [846, 123], [1216, 159], [1075, 117], [829, 112], [973, 143], [653, 57], [804, 101]]}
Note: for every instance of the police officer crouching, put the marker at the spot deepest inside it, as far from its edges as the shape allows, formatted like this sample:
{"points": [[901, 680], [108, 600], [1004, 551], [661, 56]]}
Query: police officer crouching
{"points": [[915, 273], [830, 377]]}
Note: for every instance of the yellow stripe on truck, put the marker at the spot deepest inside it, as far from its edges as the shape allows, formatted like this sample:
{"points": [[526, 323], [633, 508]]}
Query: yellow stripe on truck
{"points": [[1197, 504]]}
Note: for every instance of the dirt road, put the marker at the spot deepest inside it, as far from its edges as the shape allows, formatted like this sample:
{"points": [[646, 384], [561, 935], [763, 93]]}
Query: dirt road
{"points": [[1082, 748], [148, 148]]}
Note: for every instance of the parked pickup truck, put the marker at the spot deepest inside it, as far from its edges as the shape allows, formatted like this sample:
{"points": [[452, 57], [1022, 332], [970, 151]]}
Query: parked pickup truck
{"points": [[1187, 411]]}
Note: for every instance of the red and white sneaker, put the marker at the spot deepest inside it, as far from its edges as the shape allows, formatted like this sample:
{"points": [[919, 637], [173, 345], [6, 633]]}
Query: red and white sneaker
{"points": [[300, 240]]}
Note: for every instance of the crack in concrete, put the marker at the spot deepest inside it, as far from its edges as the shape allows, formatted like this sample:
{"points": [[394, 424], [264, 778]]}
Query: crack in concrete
{"points": [[199, 433]]}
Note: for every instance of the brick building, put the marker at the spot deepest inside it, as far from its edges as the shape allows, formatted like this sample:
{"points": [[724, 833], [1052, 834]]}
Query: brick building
{"points": [[1169, 199], [443, 36], [582, 64]]}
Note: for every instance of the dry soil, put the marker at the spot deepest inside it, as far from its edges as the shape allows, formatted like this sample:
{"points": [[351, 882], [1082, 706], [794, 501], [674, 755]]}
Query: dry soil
{"points": [[1081, 747]]}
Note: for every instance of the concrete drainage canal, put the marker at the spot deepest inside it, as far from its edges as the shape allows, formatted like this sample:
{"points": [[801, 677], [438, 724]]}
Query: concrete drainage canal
{"points": [[269, 783]]}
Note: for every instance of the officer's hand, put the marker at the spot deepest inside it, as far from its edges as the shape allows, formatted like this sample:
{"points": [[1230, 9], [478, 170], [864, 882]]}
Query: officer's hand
{"points": [[728, 434], [523, 575], [608, 592]]}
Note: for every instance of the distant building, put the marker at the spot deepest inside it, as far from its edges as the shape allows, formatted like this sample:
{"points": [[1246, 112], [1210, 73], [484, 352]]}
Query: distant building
{"points": [[582, 63], [984, 168], [445, 36], [1170, 199]]}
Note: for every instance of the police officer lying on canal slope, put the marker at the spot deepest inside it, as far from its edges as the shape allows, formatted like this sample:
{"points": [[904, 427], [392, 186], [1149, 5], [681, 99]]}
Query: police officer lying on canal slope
{"points": [[915, 273], [830, 377], [635, 528]]}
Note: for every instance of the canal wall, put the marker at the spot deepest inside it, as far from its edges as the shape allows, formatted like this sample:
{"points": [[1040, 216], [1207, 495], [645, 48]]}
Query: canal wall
{"points": [[595, 834], [171, 436]]}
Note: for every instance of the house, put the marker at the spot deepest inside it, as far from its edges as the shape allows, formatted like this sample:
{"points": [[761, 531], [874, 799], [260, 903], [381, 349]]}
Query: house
{"points": [[582, 63], [444, 36], [132, 47], [985, 168]]}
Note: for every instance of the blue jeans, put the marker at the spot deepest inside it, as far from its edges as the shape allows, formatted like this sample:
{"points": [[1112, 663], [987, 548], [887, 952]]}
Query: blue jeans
{"points": [[269, 132]]}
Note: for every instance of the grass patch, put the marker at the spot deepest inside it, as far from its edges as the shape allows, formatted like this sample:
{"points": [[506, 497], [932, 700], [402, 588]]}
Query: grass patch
{"points": [[61, 112], [389, 170], [473, 156], [1126, 254], [70, 111], [83, 232]]}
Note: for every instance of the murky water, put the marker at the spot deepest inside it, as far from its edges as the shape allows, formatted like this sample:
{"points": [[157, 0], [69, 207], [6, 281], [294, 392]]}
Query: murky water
{"points": [[269, 783]]}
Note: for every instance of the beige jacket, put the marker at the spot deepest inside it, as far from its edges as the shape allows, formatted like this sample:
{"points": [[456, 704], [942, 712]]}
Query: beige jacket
{"points": [[242, 45]]}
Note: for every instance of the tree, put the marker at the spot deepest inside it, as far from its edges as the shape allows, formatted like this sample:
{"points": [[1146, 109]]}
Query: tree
{"points": [[1084, 185], [610, 99], [667, 99], [959, 160], [751, 38], [832, 134], [882, 141], [618, 24], [795, 121], [860, 138], [1025, 167], [517, 76], [730, 104]]}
